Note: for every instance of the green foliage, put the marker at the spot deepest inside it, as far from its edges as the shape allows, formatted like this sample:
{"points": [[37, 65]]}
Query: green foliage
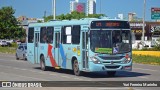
{"points": [[14, 45], [11, 50], [9, 25], [157, 46], [73, 15], [146, 59]]}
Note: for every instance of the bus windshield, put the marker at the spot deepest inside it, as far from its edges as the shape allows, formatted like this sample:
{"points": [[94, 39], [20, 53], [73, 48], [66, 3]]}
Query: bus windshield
{"points": [[110, 42]]}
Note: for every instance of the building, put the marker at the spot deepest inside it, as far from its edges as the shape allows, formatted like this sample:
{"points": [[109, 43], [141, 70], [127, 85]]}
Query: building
{"points": [[77, 6], [120, 16], [91, 7], [131, 16], [72, 6], [152, 29], [24, 22]]}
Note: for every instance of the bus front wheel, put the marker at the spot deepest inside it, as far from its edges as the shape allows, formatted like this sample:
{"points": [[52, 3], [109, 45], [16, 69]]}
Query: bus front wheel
{"points": [[76, 70], [42, 64], [111, 73]]}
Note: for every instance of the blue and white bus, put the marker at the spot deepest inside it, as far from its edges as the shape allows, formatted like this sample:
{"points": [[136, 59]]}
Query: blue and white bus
{"points": [[86, 45]]}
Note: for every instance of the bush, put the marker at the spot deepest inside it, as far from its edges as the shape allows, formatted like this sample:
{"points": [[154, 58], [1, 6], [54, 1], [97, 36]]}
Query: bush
{"points": [[14, 45]]}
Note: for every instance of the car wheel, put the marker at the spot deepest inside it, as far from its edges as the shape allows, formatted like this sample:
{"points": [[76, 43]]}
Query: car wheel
{"points": [[76, 70], [24, 58], [17, 57]]}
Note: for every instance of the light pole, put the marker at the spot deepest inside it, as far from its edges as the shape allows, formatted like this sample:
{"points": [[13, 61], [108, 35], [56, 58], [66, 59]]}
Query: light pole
{"points": [[144, 9], [54, 9]]}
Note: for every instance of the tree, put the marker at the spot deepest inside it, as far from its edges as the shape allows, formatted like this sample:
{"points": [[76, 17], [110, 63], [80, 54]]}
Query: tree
{"points": [[9, 25], [73, 15]]}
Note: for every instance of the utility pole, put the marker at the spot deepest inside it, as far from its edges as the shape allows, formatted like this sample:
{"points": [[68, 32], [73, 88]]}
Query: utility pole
{"points": [[44, 14], [144, 9]]}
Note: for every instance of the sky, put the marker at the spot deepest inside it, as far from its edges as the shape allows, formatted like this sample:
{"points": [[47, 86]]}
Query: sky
{"points": [[111, 8]]}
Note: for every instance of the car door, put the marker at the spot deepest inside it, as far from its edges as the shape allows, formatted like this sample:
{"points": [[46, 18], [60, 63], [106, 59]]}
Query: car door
{"points": [[21, 51], [18, 51]]}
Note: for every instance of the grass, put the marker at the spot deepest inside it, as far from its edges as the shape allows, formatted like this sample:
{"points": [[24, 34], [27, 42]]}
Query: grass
{"points": [[10, 50], [145, 59]]}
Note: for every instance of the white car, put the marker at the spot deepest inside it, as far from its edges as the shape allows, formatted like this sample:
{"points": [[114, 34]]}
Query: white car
{"points": [[21, 52], [3, 43]]}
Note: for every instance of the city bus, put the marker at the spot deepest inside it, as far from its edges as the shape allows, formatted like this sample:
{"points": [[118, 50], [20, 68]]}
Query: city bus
{"points": [[85, 45]]}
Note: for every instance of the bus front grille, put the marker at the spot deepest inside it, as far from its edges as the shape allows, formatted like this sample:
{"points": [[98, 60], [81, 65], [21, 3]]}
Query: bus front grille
{"points": [[111, 58], [112, 67]]}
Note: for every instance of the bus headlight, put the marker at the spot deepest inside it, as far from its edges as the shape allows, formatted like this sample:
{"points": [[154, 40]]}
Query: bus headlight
{"points": [[127, 59], [95, 60]]}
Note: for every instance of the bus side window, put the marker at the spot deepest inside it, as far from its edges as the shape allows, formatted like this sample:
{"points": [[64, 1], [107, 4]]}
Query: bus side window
{"points": [[66, 35], [43, 35], [50, 31], [63, 35], [76, 34], [31, 35]]}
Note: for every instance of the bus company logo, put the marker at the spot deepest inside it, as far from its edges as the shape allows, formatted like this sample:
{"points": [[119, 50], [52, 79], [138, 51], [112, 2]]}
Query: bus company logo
{"points": [[112, 62], [6, 84]]}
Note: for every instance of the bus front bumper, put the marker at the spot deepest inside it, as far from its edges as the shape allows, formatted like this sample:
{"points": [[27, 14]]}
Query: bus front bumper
{"points": [[110, 67]]}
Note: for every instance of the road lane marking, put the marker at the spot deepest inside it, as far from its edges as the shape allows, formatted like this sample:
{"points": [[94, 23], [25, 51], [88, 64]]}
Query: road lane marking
{"points": [[145, 64], [7, 56], [147, 69], [52, 74], [144, 77], [77, 78], [132, 75], [25, 76], [13, 60], [2, 88], [125, 88], [66, 77], [41, 72]]}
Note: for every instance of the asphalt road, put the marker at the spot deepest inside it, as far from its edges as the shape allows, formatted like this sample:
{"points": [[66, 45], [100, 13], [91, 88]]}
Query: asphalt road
{"points": [[20, 70]]}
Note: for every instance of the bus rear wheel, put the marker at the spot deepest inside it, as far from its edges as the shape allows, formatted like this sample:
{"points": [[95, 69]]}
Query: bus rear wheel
{"points": [[42, 64], [76, 70], [111, 73]]}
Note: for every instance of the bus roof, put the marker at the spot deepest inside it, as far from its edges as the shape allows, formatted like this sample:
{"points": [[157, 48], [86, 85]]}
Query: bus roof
{"points": [[82, 21]]}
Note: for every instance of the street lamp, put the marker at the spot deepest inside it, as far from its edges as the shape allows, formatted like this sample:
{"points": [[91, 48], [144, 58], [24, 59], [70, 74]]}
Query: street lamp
{"points": [[144, 9], [54, 9]]}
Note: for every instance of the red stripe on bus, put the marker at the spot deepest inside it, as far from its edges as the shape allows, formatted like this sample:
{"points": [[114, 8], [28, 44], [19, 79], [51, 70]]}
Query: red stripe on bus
{"points": [[53, 62]]}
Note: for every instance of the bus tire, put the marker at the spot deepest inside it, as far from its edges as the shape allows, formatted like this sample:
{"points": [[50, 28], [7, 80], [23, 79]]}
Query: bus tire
{"points": [[111, 73], [42, 63], [76, 70]]}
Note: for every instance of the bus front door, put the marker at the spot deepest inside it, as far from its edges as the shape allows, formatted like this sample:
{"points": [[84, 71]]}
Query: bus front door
{"points": [[85, 50], [36, 48], [56, 48]]}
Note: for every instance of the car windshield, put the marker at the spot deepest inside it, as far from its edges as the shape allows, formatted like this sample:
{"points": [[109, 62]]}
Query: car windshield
{"points": [[111, 42]]}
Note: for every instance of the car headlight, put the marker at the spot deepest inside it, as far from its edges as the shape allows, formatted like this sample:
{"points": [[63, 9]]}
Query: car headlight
{"points": [[95, 60], [26, 54]]}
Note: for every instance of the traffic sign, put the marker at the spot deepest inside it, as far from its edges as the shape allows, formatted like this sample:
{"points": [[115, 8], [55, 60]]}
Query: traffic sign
{"points": [[155, 13]]}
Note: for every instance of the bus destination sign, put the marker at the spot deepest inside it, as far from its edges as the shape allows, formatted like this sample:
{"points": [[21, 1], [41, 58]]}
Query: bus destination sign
{"points": [[110, 25]]}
